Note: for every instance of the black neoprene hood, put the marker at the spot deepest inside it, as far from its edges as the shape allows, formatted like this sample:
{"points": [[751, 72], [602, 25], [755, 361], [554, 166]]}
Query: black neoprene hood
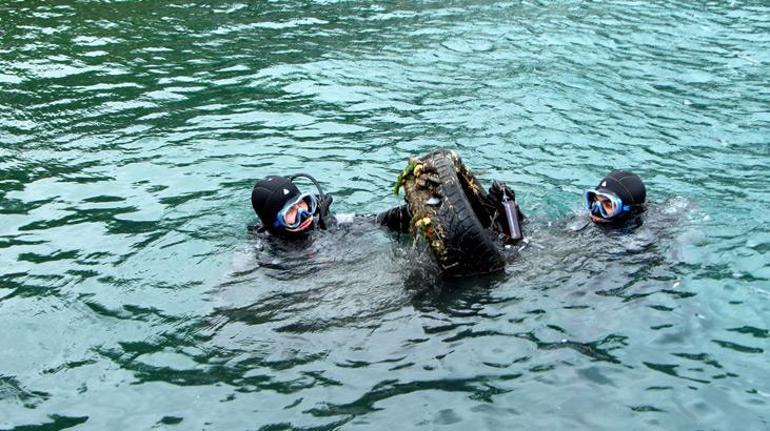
{"points": [[270, 195], [626, 185]]}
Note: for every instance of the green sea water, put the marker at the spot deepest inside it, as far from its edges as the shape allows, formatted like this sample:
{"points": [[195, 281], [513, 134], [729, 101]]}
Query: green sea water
{"points": [[132, 295]]}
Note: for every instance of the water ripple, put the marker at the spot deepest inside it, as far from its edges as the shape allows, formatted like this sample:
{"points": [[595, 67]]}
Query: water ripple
{"points": [[131, 133]]}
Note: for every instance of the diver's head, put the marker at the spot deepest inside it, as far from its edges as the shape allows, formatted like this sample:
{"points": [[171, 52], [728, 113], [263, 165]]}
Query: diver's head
{"points": [[619, 197], [282, 208]]}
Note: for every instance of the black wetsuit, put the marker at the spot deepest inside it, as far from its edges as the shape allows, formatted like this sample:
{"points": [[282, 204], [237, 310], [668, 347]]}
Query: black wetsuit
{"points": [[396, 219]]}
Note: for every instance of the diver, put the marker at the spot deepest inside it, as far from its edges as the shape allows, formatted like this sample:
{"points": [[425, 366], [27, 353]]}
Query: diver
{"points": [[286, 212], [618, 200]]}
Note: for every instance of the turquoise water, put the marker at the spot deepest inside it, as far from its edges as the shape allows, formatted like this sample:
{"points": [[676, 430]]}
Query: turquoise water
{"points": [[132, 295]]}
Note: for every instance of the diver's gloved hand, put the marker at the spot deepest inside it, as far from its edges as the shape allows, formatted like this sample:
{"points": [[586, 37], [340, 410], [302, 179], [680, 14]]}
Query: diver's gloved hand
{"points": [[397, 219], [324, 211], [499, 189]]}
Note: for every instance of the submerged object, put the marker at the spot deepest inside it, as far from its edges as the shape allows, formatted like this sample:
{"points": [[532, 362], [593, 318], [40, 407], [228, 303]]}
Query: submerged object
{"points": [[447, 205]]}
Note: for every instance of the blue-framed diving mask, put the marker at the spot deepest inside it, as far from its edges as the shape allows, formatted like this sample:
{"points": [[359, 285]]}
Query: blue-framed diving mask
{"points": [[606, 205], [296, 217]]}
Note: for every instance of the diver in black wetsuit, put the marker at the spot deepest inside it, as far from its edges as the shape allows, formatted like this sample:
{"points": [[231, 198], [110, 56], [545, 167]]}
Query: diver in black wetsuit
{"points": [[286, 212], [618, 200]]}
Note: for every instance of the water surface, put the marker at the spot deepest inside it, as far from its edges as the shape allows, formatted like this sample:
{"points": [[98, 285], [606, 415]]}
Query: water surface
{"points": [[132, 295]]}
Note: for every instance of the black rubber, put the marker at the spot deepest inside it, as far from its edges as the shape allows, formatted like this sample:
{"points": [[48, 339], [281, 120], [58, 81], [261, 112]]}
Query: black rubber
{"points": [[461, 243]]}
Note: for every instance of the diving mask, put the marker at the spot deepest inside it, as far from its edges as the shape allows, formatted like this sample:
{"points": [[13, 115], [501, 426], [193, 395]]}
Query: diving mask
{"points": [[605, 205], [296, 217]]}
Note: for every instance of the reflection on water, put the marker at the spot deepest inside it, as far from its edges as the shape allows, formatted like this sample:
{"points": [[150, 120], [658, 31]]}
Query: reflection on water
{"points": [[133, 297]]}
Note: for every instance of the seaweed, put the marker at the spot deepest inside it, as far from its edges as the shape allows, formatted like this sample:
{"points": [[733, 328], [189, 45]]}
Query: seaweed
{"points": [[408, 170], [423, 226]]}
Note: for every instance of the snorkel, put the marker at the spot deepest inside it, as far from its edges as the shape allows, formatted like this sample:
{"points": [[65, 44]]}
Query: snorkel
{"points": [[321, 195]]}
